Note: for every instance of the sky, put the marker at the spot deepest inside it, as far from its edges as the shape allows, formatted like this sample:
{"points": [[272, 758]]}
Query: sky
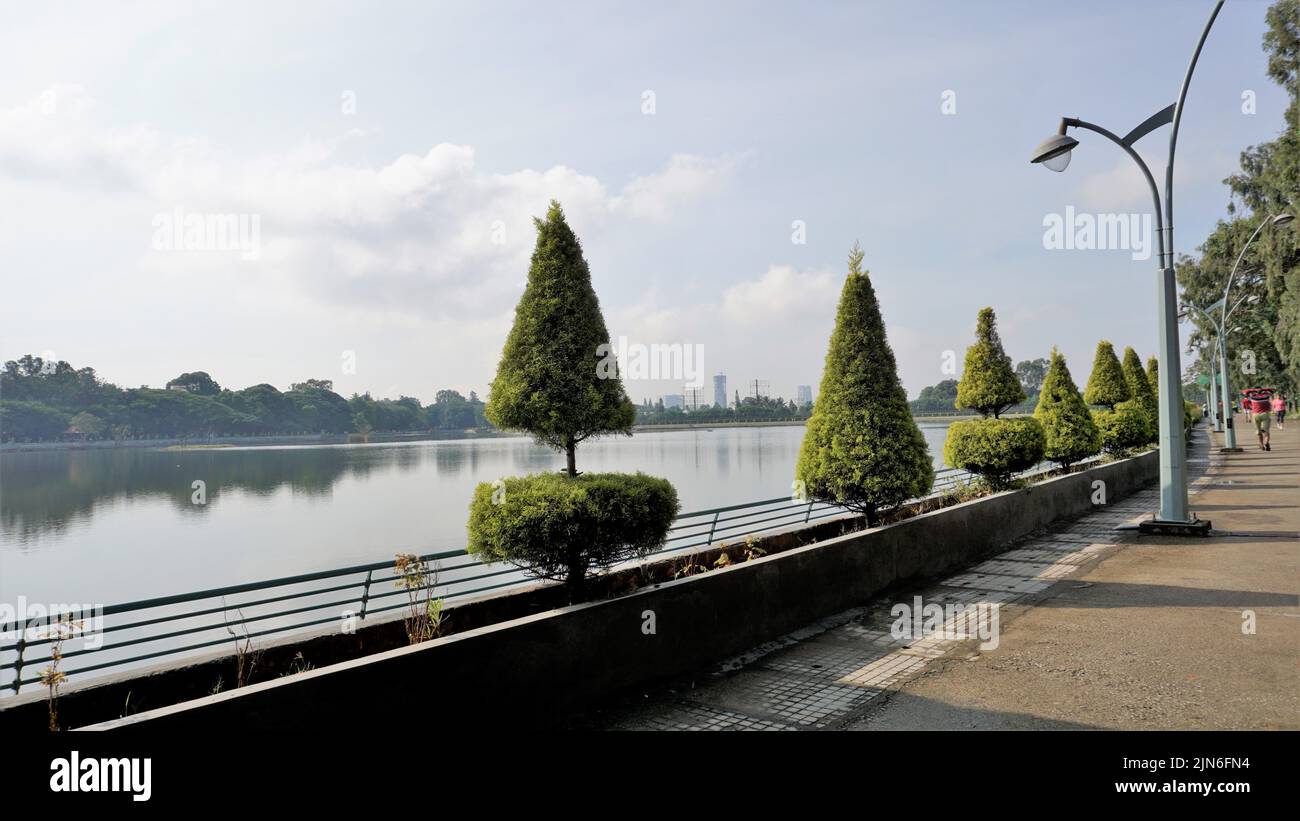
{"points": [[717, 161]]}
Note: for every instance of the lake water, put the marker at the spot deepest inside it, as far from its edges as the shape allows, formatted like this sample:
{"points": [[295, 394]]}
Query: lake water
{"points": [[118, 525]]}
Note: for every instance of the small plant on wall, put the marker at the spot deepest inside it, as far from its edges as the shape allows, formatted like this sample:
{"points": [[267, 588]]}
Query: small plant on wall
{"points": [[423, 609]]}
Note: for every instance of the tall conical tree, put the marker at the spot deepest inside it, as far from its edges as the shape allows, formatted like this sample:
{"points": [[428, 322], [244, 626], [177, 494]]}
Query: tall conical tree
{"points": [[1141, 391], [1068, 425], [1106, 384], [558, 378], [988, 382], [862, 449], [1153, 377]]}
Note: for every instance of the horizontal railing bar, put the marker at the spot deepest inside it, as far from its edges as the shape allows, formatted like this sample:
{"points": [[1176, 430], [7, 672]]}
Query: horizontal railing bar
{"points": [[709, 529]]}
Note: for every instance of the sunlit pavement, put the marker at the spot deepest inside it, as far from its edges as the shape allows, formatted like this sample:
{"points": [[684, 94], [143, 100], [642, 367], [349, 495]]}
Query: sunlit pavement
{"points": [[1098, 629]]}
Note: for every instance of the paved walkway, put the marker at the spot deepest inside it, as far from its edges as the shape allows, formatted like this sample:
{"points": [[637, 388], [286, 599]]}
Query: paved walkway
{"points": [[1098, 629]]}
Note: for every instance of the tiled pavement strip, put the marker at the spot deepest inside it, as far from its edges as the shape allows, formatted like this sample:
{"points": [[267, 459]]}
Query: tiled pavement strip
{"points": [[828, 674]]}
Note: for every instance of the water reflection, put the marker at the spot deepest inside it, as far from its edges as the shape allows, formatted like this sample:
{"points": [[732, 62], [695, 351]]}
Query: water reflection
{"points": [[278, 511]]}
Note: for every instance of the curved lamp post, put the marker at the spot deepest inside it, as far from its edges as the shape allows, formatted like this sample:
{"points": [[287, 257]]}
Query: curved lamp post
{"points": [[1221, 331], [1230, 435], [1054, 153]]}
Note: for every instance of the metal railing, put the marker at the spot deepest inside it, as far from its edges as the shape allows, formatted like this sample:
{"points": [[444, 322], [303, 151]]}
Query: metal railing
{"points": [[131, 634]]}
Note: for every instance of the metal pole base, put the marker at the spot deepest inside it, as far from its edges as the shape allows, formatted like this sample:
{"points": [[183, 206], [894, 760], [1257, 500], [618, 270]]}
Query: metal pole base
{"points": [[1232, 450], [1159, 527]]}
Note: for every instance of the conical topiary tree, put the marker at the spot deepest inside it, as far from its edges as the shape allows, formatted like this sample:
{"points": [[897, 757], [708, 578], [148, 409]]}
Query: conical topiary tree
{"points": [[988, 382], [862, 449], [1153, 378], [557, 378], [993, 448], [1070, 432], [1106, 384], [1140, 388]]}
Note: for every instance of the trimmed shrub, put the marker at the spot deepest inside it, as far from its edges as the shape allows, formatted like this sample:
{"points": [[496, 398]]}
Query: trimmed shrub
{"points": [[1153, 376], [1122, 428], [1143, 396], [560, 527], [995, 449], [988, 382], [1106, 384], [1070, 434], [862, 448], [1191, 412], [558, 379]]}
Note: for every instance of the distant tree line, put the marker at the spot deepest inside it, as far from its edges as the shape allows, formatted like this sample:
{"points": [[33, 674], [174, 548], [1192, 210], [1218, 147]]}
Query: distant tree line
{"points": [[42, 400], [942, 397], [749, 409]]}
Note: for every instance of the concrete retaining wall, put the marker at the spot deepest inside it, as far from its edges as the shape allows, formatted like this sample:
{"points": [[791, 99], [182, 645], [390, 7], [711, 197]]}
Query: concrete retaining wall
{"points": [[533, 670]]}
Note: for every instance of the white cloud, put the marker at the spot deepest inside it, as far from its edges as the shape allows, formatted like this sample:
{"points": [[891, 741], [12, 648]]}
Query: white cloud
{"points": [[781, 293], [428, 233], [685, 177]]}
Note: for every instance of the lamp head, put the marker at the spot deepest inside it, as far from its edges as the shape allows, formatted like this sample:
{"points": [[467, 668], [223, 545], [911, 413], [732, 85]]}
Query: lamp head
{"points": [[1282, 219], [1054, 152]]}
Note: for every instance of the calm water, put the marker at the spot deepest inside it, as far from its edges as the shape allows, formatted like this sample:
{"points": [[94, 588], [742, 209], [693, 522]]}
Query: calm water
{"points": [[118, 525]]}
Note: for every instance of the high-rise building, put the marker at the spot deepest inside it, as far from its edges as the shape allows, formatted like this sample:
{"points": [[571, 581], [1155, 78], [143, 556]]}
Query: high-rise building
{"points": [[804, 395], [693, 396], [720, 390]]}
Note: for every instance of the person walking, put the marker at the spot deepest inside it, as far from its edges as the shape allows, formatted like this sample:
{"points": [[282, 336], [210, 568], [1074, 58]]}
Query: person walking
{"points": [[1279, 408], [1260, 409]]}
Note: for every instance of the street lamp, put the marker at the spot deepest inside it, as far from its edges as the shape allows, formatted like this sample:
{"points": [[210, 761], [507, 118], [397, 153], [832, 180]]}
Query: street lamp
{"points": [[1054, 153], [1230, 435], [1221, 331]]}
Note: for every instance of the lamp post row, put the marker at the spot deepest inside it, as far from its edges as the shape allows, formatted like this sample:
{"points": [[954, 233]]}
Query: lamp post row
{"points": [[1054, 154]]}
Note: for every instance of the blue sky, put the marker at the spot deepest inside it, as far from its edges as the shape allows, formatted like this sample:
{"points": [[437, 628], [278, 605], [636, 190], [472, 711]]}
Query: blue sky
{"points": [[377, 216]]}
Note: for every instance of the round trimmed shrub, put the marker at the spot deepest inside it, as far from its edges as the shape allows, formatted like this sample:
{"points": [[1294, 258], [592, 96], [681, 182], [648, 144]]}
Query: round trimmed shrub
{"points": [[995, 449], [1123, 428], [562, 527]]}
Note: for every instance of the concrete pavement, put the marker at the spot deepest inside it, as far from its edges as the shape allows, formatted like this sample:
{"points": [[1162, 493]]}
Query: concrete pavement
{"points": [[1097, 628]]}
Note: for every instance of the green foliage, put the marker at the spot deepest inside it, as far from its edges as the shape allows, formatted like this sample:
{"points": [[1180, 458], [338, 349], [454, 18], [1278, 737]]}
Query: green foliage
{"points": [[1268, 184], [862, 449], [1070, 434], [995, 449], [938, 398], [1191, 412], [1122, 428], [1153, 377], [310, 407], [87, 424], [31, 420], [557, 378], [988, 384], [1106, 383], [1031, 374], [1143, 396], [196, 382], [557, 526]]}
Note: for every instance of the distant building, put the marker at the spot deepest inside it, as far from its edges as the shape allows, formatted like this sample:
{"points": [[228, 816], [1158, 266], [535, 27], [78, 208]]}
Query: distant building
{"points": [[673, 400], [186, 388], [804, 393], [694, 397], [720, 390]]}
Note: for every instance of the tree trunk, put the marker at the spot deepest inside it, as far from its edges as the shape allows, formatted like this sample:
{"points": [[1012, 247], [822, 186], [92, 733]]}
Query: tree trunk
{"points": [[572, 451], [872, 518], [576, 577]]}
